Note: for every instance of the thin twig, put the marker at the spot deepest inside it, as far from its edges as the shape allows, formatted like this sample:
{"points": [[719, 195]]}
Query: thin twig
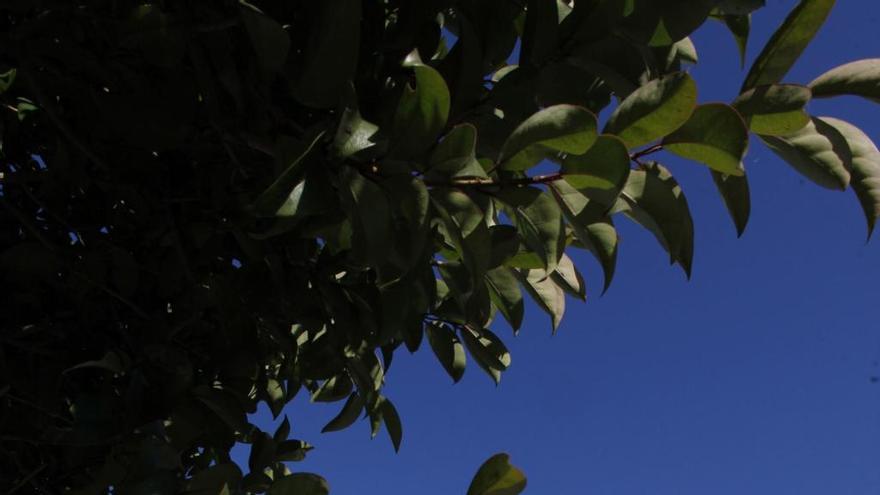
{"points": [[27, 479], [483, 181], [645, 152]]}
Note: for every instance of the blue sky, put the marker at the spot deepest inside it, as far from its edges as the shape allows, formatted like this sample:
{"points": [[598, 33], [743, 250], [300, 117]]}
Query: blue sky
{"points": [[754, 377]]}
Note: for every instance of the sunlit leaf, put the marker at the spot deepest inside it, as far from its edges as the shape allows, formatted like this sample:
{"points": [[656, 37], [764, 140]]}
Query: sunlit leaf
{"points": [[859, 78], [774, 110], [818, 152], [497, 477], [560, 128], [865, 168], [788, 42], [653, 198], [654, 110], [447, 348], [715, 135]]}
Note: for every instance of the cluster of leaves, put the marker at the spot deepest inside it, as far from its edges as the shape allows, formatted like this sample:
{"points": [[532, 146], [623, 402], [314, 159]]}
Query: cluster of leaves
{"points": [[216, 203]]}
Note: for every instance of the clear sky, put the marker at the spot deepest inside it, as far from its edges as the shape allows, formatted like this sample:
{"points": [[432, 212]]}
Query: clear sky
{"points": [[753, 378]]}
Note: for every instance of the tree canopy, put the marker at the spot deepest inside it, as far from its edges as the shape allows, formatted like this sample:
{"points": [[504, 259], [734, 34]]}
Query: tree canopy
{"points": [[211, 204]]}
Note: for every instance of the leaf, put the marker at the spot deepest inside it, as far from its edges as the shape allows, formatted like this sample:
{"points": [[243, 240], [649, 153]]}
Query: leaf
{"points": [[787, 43], [300, 484], [369, 212], [447, 348], [561, 128], [653, 198], [546, 294], [715, 135], [269, 39], [538, 220], [347, 416], [334, 389], [262, 451], [421, 113], [7, 79], [291, 451], [455, 155], [488, 351], [654, 110], [354, 134], [569, 278], [331, 54], [604, 166], [215, 480], [591, 225], [818, 152], [735, 193], [739, 7], [774, 110], [392, 422], [283, 431], [859, 78], [497, 477], [274, 197], [740, 26], [540, 35], [865, 168], [506, 295]]}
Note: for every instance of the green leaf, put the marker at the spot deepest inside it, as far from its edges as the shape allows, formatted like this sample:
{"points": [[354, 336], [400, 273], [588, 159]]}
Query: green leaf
{"points": [[292, 451], [497, 477], [715, 135], [569, 278], [7, 79], [561, 128], [217, 479], [334, 389], [447, 348], [505, 244], [269, 39], [488, 351], [331, 55], [818, 152], [300, 484], [538, 220], [279, 192], [455, 155], [774, 110], [262, 451], [370, 214], [506, 295], [540, 34], [347, 416], [392, 422], [740, 26], [464, 223], [421, 113], [604, 166], [591, 225], [354, 134], [654, 110], [739, 7], [859, 78], [283, 431], [653, 198], [546, 294], [787, 43], [865, 168], [735, 193]]}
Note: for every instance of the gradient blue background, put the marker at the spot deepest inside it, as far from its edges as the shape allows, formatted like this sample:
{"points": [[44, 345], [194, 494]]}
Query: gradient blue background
{"points": [[753, 378]]}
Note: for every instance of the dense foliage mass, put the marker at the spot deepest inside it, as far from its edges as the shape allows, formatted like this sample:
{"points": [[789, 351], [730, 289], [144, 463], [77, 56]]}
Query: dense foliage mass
{"points": [[215, 203]]}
